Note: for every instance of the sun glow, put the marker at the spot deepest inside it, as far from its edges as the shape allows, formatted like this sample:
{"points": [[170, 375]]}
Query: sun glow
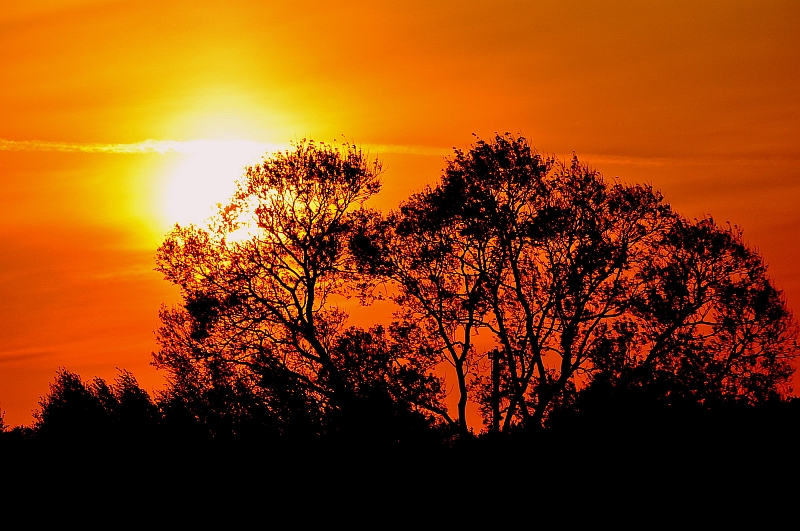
{"points": [[205, 176]]}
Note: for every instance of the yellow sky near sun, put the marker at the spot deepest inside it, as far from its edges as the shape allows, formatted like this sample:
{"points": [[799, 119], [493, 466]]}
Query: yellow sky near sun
{"points": [[701, 99]]}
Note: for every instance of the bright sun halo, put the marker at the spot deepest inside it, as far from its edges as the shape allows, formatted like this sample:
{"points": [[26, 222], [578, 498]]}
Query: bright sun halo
{"points": [[207, 176]]}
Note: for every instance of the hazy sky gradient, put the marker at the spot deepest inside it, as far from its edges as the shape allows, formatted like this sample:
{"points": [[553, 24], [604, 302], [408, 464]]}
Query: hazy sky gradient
{"points": [[701, 99]]}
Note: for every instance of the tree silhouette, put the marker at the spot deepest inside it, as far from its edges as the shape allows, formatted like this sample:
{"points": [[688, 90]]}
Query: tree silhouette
{"points": [[579, 281], [440, 289], [262, 286], [587, 287], [714, 325], [74, 410]]}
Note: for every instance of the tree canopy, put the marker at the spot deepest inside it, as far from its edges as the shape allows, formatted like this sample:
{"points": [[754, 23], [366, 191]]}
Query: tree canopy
{"points": [[74, 409], [262, 316], [587, 287], [579, 281]]}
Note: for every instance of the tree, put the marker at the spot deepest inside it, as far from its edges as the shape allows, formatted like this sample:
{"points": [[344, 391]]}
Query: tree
{"points": [[261, 286], [712, 323], [441, 251], [579, 281], [70, 408], [73, 409]]}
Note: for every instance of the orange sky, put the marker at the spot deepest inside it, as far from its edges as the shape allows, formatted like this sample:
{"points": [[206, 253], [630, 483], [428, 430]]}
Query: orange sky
{"points": [[702, 101]]}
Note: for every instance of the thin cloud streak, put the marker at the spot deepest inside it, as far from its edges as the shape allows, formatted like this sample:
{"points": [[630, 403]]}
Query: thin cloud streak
{"points": [[147, 146], [257, 148], [132, 272], [12, 356], [190, 146], [600, 159], [407, 150]]}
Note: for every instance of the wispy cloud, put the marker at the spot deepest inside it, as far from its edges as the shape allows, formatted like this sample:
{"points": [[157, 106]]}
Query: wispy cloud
{"points": [[253, 150], [12, 356], [596, 158], [407, 150], [147, 146], [127, 273], [599, 159], [192, 146]]}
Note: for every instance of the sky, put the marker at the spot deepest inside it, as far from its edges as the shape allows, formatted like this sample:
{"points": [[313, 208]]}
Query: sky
{"points": [[120, 118]]}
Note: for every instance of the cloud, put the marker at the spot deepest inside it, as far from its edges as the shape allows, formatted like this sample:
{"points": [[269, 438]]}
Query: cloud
{"points": [[598, 159], [12, 356], [190, 146], [127, 273], [407, 150], [147, 146]]}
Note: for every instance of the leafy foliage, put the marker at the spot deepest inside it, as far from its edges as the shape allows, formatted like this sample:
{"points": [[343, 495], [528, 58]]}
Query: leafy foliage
{"points": [[578, 281], [261, 318]]}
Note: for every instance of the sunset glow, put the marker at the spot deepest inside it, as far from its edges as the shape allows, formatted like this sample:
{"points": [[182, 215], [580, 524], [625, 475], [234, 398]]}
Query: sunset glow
{"points": [[121, 119], [205, 177]]}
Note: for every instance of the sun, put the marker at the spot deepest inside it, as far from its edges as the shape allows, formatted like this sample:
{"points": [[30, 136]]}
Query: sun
{"points": [[204, 176]]}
